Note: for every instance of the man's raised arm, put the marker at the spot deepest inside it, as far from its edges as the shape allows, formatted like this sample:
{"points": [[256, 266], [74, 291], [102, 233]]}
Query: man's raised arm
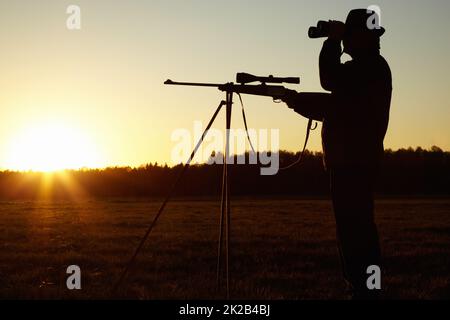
{"points": [[330, 64]]}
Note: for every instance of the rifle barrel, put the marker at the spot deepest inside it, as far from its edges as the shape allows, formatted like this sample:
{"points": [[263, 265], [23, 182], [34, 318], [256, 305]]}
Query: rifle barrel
{"points": [[193, 84], [258, 90]]}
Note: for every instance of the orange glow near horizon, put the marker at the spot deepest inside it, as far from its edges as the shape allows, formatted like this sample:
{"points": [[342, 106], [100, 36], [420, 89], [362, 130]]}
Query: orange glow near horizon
{"points": [[50, 184], [50, 147], [95, 97]]}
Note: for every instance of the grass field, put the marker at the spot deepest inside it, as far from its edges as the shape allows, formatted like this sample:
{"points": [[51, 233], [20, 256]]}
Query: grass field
{"points": [[280, 249]]}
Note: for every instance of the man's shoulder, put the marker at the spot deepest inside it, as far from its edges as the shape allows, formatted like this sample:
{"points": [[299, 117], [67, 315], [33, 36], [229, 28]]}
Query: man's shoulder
{"points": [[383, 61], [383, 67], [375, 65]]}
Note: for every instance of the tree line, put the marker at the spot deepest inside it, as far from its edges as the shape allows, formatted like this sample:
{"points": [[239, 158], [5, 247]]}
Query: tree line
{"points": [[404, 172]]}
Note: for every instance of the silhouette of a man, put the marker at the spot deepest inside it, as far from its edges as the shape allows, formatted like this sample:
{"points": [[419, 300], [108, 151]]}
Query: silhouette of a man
{"points": [[355, 119]]}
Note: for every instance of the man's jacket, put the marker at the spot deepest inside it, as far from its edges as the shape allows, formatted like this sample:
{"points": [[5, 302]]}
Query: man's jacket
{"points": [[356, 114]]}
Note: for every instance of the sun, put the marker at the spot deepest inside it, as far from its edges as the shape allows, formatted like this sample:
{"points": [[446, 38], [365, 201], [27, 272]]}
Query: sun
{"points": [[51, 147]]}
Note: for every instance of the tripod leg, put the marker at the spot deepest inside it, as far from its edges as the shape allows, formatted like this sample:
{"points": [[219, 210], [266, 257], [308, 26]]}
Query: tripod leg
{"points": [[166, 200], [221, 222], [227, 191], [225, 203]]}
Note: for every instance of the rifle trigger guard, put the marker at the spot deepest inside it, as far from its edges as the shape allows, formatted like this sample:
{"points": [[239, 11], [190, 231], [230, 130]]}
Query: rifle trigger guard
{"points": [[277, 100]]}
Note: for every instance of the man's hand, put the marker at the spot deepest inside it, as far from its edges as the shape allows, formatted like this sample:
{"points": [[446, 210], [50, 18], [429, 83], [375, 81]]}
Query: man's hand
{"points": [[337, 30]]}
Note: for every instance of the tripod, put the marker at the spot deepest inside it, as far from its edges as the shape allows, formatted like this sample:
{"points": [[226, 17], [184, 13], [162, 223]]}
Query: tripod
{"points": [[225, 210]]}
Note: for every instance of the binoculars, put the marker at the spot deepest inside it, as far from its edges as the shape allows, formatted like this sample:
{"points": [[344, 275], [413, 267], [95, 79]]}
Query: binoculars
{"points": [[322, 30]]}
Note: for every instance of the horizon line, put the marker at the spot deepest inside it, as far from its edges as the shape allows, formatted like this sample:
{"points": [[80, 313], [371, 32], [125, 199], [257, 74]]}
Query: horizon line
{"points": [[165, 164]]}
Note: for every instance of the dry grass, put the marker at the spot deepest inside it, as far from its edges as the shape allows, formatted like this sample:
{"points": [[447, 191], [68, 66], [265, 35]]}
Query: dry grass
{"points": [[281, 249]]}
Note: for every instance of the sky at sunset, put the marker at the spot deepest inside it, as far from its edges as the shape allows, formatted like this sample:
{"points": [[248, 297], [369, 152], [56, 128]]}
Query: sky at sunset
{"points": [[95, 97]]}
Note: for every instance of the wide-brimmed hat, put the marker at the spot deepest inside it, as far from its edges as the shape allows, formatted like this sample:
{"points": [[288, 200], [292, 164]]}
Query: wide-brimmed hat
{"points": [[364, 20]]}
